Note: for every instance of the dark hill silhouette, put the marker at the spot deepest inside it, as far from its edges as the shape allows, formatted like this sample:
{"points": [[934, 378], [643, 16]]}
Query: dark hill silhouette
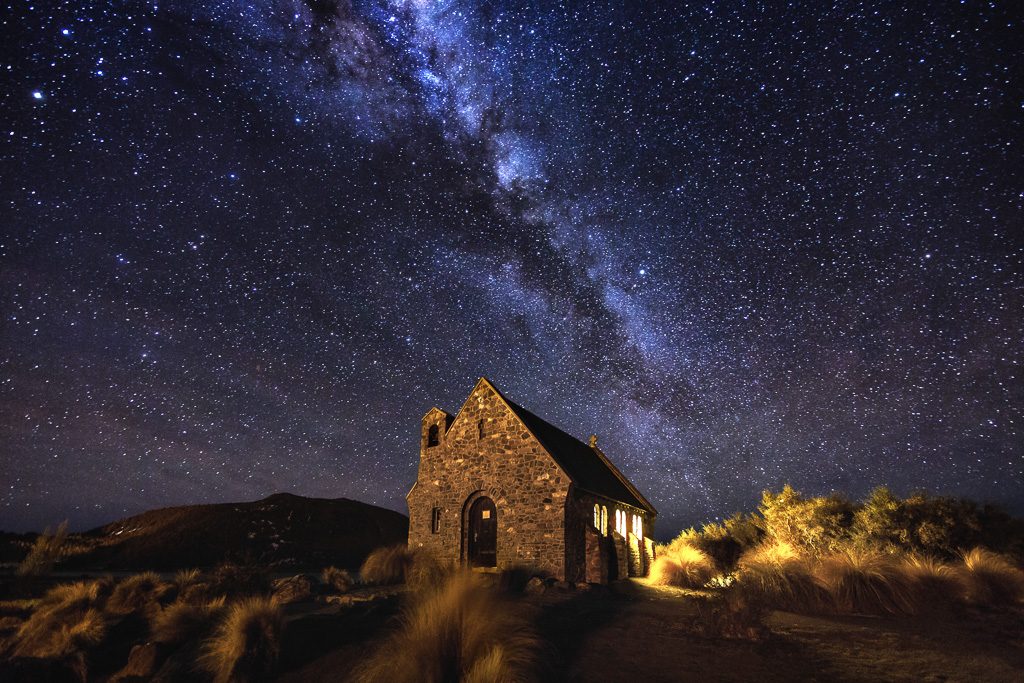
{"points": [[284, 530]]}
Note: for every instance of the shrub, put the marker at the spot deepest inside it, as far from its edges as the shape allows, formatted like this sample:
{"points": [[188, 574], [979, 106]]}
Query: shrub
{"points": [[45, 553], [991, 579], [782, 577], [180, 621], [186, 578], [338, 580], [138, 593], [461, 632], [682, 565], [814, 524], [865, 582], [247, 642]]}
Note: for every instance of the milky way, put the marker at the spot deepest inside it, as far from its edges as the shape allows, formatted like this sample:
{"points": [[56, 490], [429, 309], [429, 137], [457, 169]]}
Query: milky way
{"points": [[247, 245]]}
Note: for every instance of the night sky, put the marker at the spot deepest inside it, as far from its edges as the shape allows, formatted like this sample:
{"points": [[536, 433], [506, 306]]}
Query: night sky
{"points": [[246, 245]]}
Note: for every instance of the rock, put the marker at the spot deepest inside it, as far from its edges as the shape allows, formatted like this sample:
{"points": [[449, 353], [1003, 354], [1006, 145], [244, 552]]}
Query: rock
{"points": [[297, 588], [143, 662], [583, 586], [563, 585], [535, 585]]}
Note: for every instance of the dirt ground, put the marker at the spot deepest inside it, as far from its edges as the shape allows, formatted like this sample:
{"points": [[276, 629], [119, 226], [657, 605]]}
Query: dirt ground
{"points": [[640, 633]]}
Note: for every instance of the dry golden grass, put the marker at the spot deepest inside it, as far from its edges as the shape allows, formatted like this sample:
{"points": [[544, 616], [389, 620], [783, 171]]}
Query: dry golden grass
{"points": [[386, 565], [67, 620], [400, 564], [247, 642], [866, 582], [45, 553], [990, 578], [337, 580], [138, 593], [180, 621], [461, 632], [936, 585], [781, 577], [682, 565]]}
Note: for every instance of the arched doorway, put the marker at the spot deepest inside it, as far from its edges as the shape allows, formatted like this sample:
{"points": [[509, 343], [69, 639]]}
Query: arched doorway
{"points": [[482, 533]]}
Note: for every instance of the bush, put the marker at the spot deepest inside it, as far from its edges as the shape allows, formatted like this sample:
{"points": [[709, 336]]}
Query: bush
{"points": [[247, 642], [45, 553], [682, 565], [782, 578], [865, 582], [338, 580], [816, 525], [180, 622], [991, 579], [461, 632]]}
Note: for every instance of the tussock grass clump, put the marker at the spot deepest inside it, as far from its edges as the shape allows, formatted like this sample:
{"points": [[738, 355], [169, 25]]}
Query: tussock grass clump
{"points": [[180, 621], [68, 620], [337, 580], [866, 582], [682, 565], [990, 578], [461, 632], [138, 593], [235, 580], [783, 578], [45, 553], [734, 612], [935, 585], [186, 578], [247, 642], [401, 564], [386, 565]]}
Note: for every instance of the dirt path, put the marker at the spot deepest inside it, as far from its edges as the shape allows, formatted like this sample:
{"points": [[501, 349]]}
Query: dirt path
{"points": [[638, 633]]}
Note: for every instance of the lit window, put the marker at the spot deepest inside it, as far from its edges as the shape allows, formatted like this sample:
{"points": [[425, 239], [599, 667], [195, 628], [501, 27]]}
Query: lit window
{"points": [[604, 521], [432, 436], [435, 521], [597, 516]]}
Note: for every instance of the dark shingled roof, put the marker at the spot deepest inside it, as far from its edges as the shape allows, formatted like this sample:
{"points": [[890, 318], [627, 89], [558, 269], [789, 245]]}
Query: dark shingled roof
{"points": [[586, 466]]}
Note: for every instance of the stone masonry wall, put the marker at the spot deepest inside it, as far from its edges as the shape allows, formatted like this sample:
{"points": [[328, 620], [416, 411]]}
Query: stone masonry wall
{"points": [[505, 463]]}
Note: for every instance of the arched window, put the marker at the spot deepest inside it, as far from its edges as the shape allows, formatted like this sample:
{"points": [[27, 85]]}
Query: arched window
{"points": [[604, 521], [432, 436], [618, 522], [597, 516]]}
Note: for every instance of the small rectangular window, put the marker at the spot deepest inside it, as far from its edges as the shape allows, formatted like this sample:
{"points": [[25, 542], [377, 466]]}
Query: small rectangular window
{"points": [[435, 520]]}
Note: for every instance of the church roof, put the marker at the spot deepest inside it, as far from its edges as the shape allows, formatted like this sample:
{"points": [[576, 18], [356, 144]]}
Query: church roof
{"points": [[587, 466]]}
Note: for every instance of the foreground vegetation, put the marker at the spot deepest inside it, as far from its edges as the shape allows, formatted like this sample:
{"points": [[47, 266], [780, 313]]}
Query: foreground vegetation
{"points": [[883, 556], [404, 617]]}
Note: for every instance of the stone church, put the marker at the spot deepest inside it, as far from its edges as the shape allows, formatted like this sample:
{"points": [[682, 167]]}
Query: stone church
{"points": [[498, 486]]}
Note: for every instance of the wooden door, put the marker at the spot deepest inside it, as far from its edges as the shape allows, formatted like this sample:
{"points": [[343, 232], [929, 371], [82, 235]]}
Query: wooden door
{"points": [[483, 533]]}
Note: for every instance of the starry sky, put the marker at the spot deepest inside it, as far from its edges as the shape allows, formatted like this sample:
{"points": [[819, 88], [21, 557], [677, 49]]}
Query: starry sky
{"points": [[246, 245]]}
